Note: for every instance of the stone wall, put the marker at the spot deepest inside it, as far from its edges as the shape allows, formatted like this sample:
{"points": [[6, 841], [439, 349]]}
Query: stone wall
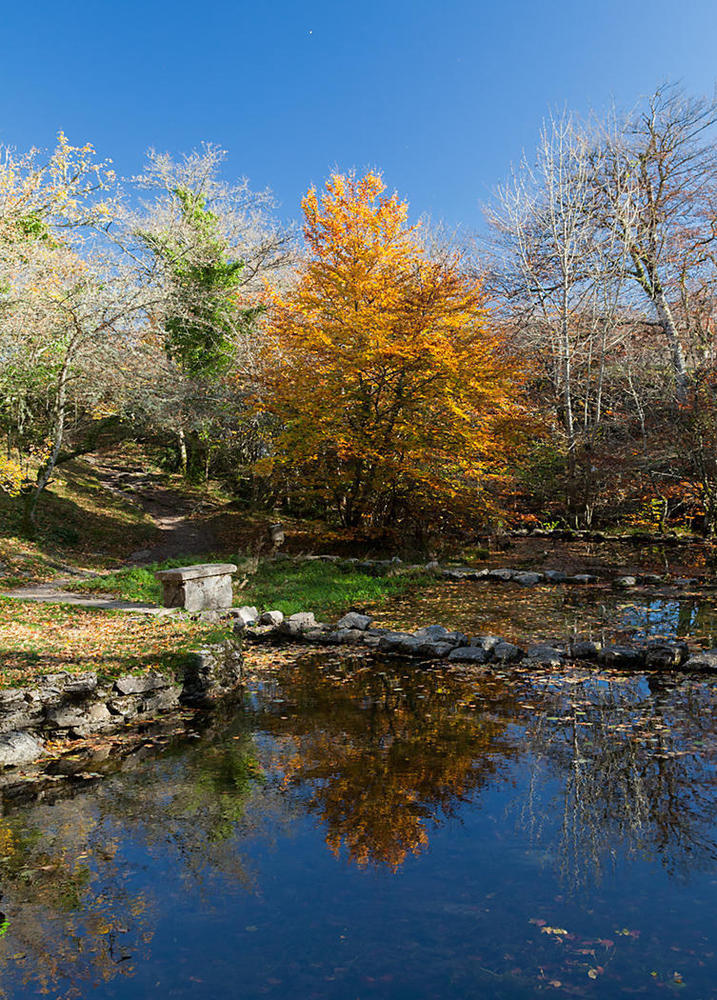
{"points": [[67, 706]]}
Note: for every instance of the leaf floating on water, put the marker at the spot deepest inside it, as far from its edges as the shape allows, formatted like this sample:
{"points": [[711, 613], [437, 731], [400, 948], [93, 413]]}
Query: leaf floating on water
{"points": [[553, 930]]}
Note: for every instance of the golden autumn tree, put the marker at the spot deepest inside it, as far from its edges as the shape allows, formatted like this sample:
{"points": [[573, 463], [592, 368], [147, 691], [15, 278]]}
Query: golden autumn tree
{"points": [[389, 391]]}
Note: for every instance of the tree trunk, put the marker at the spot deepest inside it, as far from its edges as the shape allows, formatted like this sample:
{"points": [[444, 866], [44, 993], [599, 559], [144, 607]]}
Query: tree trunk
{"points": [[44, 474], [664, 314], [182, 441]]}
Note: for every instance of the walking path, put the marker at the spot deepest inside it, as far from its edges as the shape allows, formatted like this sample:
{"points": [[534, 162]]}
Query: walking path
{"points": [[179, 535]]}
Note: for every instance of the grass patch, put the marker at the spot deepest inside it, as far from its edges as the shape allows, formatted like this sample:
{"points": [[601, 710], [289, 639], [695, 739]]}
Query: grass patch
{"points": [[38, 639], [322, 587], [289, 586]]}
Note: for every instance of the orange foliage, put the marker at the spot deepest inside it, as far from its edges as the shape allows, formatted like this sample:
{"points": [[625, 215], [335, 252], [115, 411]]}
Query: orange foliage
{"points": [[390, 391]]}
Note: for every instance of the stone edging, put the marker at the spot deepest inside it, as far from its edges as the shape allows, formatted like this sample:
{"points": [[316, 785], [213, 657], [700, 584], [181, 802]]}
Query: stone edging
{"points": [[65, 706], [436, 643]]}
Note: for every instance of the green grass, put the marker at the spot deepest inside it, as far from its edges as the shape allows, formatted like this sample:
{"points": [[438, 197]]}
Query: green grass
{"points": [[324, 588], [289, 586]]}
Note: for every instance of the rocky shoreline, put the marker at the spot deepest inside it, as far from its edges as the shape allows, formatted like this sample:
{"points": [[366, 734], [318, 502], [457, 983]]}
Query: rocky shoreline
{"points": [[435, 643], [65, 706]]}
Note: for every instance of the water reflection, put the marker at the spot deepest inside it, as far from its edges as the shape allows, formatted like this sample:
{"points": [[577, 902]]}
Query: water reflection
{"points": [[382, 755], [560, 781]]}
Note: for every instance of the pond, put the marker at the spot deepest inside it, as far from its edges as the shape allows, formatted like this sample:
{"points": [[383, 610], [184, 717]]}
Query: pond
{"points": [[367, 829], [555, 612]]}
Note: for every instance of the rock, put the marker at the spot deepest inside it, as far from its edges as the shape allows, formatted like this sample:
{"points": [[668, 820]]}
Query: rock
{"points": [[434, 650], [19, 748], [81, 720], [433, 566], [486, 642], [581, 578], [705, 661], [469, 654], [501, 574], [437, 633], [585, 649], [296, 624], [506, 652], [453, 574], [162, 701], [527, 579], [401, 643], [247, 614], [276, 534], [666, 654], [341, 636], [271, 618], [211, 673], [651, 579], [622, 657], [354, 620], [623, 582], [555, 575], [140, 683], [82, 684], [208, 616], [545, 655], [685, 581]]}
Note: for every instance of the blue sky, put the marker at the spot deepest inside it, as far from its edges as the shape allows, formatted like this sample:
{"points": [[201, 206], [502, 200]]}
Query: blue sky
{"points": [[441, 96]]}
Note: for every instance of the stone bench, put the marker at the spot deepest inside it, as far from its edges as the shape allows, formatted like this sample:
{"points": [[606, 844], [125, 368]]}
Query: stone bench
{"points": [[198, 588]]}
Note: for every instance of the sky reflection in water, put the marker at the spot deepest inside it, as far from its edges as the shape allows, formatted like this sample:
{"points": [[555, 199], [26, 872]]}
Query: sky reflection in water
{"points": [[360, 831]]}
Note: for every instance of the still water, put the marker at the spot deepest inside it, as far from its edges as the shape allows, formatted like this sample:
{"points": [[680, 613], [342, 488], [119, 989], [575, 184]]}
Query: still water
{"points": [[371, 830]]}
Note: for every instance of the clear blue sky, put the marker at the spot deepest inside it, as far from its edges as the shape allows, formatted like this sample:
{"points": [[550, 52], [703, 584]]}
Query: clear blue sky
{"points": [[441, 96]]}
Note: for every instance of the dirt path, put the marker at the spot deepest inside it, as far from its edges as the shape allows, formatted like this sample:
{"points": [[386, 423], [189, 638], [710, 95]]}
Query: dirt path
{"points": [[181, 533]]}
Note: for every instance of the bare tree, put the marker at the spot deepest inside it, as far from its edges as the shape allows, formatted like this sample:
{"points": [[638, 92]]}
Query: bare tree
{"points": [[655, 180]]}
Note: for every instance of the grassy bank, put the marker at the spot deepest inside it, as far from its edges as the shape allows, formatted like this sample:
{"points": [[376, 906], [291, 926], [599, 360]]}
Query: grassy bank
{"points": [[325, 588], [40, 639]]}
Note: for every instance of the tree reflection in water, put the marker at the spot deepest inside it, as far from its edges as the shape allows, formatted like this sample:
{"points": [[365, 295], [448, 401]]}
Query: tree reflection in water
{"points": [[382, 754], [631, 770]]}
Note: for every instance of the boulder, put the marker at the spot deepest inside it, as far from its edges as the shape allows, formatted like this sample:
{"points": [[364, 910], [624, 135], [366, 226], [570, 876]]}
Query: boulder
{"points": [[437, 633], [527, 579], [506, 652], [555, 575], [581, 578], [706, 661], [19, 748], [585, 649], [545, 655], [501, 574], [247, 614], [486, 642], [433, 649], [354, 620], [622, 657], [624, 582], [296, 624], [666, 654], [140, 683], [401, 643], [469, 654], [271, 618]]}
